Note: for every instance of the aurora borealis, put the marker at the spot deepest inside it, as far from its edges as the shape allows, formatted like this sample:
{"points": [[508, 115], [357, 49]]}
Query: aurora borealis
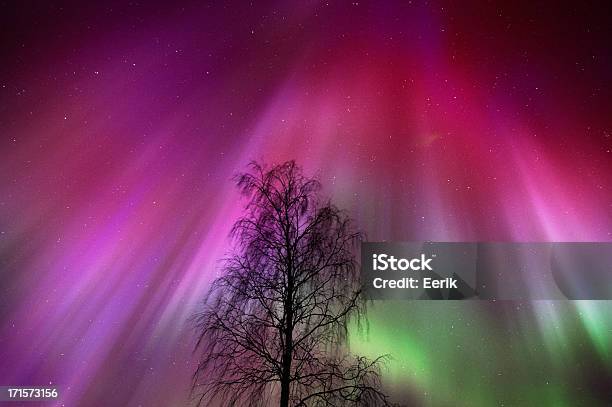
{"points": [[121, 126]]}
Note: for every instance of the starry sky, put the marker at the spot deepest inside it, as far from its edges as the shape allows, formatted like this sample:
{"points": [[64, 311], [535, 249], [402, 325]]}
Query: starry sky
{"points": [[121, 126]]}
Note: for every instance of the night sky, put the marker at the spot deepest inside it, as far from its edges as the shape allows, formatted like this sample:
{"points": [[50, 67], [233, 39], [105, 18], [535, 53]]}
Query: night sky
{"points": [[121, 126]]}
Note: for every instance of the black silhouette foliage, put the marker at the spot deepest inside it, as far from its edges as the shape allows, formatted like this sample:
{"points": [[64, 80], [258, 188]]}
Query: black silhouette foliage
{"points": [[273, 329]]}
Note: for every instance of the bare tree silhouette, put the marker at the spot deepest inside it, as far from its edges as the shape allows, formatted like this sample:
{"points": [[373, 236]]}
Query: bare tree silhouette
{"points": [[274, 325]]}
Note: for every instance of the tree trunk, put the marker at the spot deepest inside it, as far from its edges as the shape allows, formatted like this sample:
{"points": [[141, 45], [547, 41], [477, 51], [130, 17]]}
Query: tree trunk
{"points": [[285, 381], [287, 356], [288, 351], [288, 328]]}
